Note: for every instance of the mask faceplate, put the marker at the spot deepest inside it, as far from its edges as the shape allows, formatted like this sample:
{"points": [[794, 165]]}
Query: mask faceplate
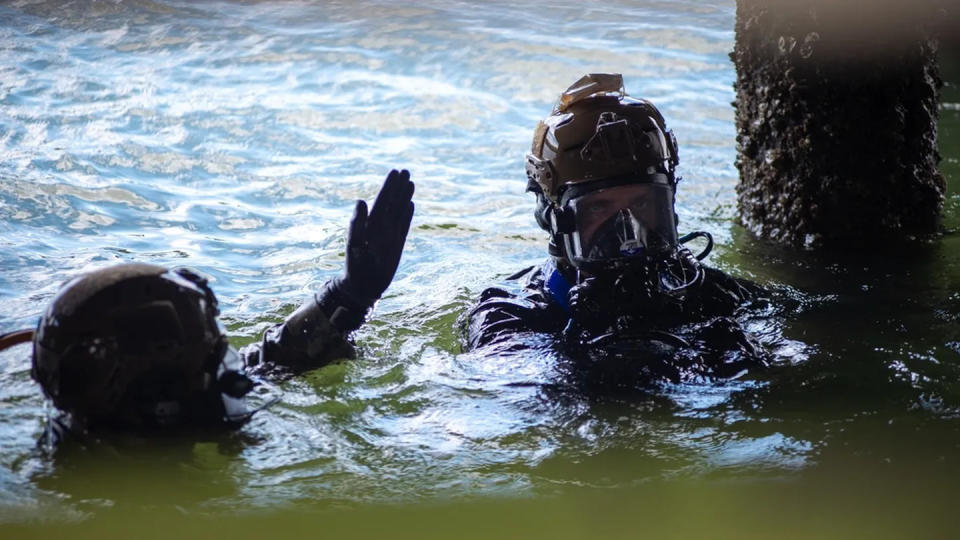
{"points": [[622, 222]]}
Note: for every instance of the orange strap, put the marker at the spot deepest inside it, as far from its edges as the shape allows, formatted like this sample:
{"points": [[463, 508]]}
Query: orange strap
{"points": [[15, 338]]}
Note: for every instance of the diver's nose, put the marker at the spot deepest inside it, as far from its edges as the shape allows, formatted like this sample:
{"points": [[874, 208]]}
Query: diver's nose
{"points": [[628, 224], [631, 237]]}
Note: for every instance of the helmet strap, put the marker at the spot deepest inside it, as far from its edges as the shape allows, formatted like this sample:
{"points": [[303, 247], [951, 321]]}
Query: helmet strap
{"points": [[17, 337]]}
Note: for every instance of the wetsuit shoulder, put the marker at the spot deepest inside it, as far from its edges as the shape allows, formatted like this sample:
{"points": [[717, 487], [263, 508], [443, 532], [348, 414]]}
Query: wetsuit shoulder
{"points": [[305, 340], [727, 348], [499, 315], [722, 294]]}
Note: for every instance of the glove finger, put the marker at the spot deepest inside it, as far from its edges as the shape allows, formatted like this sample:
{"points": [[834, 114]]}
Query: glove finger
{"points": [[406, 193], [392, 245], [399, 213], [405, 223], [386, 196], [402, 228], [356, 234], [391, 205]]}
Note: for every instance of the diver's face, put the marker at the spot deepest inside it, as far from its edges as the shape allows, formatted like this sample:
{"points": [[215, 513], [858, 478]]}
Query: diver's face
{"points": [[622, 222], [601, 206]]}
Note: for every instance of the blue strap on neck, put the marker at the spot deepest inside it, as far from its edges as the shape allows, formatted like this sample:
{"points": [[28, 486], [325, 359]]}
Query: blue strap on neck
{"points": [[559, 288]]}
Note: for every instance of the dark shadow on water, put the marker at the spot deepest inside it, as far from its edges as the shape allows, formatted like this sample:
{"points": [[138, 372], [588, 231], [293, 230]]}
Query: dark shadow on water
{"points": [[116, 472], [880, 388]]}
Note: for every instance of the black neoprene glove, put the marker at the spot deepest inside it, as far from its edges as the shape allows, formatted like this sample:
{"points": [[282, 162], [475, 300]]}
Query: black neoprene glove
{"points": [[374, 245]]}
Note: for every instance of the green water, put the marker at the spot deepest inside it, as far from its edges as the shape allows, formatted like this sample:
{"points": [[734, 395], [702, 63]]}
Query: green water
{"points": [[233, 136]]}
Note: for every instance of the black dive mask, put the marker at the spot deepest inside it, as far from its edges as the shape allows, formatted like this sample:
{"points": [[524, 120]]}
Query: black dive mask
{"points": [[623, 231], [624, 224]]}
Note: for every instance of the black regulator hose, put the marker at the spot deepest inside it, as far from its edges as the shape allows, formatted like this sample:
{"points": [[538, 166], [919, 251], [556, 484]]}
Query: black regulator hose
{"points": [[699, 234], [687, 260]]}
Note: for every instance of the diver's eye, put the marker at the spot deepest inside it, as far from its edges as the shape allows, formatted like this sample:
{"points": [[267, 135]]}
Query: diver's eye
{"points": [[597, 208], [639, 203]]}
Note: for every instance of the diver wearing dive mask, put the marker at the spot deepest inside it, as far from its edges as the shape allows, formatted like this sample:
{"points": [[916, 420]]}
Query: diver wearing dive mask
{"points": [[623, 243], [603, 169], [620, 223], [138, 348]]}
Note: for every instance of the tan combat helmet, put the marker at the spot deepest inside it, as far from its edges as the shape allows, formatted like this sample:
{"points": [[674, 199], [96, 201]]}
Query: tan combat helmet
{"points": [[597, 132]]}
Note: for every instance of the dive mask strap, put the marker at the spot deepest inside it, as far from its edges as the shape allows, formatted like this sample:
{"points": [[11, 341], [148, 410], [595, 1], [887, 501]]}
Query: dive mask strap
{"points": [[17, 337]]}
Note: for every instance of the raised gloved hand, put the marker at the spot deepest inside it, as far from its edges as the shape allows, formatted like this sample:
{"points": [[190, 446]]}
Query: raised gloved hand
{"points": [[375, 241], [374, 245]]}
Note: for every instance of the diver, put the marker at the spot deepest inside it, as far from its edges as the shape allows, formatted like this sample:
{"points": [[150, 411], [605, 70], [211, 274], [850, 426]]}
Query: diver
{"points": [[620, 285], [138, 348]]}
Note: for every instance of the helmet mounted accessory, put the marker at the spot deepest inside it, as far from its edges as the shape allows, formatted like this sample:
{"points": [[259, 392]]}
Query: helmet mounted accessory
{"points": [[138, 344]]}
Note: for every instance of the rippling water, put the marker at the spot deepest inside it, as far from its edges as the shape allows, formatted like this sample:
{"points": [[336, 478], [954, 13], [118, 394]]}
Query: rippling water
{"points": [[234, 136]]}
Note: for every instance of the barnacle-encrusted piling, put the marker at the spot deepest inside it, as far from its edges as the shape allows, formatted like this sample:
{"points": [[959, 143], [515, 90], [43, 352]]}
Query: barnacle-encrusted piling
{"points": [[836, 113]]}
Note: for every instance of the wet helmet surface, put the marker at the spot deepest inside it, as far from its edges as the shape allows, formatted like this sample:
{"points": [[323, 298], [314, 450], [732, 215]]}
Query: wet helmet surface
{"points": [[597, 132], [132, 344]]}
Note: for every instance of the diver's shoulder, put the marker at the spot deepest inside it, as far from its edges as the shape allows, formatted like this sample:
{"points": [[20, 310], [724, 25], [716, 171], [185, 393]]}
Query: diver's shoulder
{"points": [[717, 277], [722, 293], [523, 285], [497, 299], [518, 305]]}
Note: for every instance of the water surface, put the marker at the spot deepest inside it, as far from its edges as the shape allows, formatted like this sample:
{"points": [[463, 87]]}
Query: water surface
{"points": [[233, 137]]}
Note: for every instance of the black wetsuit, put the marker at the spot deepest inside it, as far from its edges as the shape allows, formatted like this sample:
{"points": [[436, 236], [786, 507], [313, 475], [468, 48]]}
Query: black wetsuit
{"points": [[702, 338]]}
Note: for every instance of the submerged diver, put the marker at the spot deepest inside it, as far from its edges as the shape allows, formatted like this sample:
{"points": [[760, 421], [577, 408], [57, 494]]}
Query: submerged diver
{"points": [[619, 284], [138, 347]]}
